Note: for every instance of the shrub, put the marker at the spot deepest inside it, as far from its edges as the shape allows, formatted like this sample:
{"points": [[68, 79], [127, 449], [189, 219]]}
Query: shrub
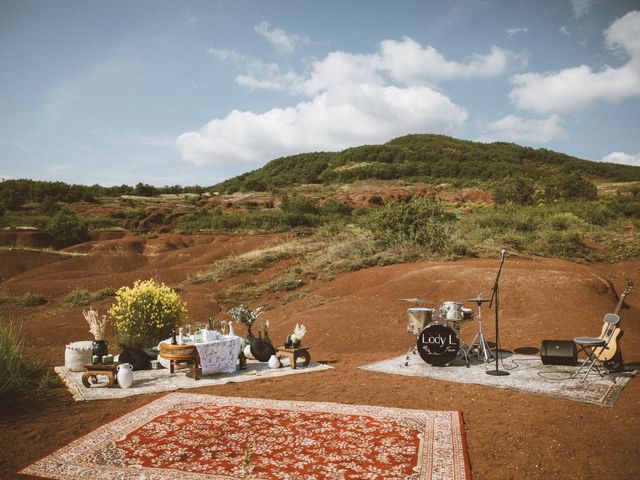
{"points": [[19, 373], [417, 222], [81, 297], [32, 300], [146, 313], [67, 229], [518, 190], [568, 187], [564, 221]]}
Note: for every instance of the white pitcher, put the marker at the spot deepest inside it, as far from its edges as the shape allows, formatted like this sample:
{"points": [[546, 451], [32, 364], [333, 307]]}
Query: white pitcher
{"points": [[274, 362], [125, 375]]}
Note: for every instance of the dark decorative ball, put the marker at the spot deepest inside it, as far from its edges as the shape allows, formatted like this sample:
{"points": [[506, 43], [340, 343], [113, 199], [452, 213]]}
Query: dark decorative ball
{"points": [[262, 350], [136, 357]]}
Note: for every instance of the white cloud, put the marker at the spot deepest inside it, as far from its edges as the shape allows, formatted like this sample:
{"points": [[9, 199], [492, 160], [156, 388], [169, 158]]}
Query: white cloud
{"points": [[576, 88], [516, 129], [581, 7], [564, 30], [410, 63], [351, 99], [279, 38], [623, 158], [512, 31], [338, 118]]}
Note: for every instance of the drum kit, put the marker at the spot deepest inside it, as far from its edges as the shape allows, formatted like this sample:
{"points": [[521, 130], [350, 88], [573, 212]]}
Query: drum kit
{"points": [[437, 331]]}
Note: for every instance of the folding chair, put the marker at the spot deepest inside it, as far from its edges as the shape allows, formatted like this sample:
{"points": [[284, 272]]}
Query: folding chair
{"points": [[594, 347]]}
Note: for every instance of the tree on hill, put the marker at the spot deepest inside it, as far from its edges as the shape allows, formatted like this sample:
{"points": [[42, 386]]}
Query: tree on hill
{"points": [[67, 229]]}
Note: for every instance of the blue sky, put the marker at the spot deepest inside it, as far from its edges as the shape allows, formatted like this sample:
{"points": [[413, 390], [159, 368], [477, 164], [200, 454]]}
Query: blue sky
{"points": [[194, 92]]}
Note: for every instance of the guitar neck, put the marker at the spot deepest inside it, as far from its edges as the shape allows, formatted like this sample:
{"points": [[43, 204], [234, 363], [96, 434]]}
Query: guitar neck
{"points": [[625, 292]]}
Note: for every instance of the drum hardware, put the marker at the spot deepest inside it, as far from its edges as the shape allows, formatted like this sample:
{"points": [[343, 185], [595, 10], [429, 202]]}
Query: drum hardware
{"points": [[482, 347], [496, 296], [418, 301]]}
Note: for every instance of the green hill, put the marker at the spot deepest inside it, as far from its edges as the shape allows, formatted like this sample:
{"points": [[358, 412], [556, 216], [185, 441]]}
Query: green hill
{"points": [[430, 158]]}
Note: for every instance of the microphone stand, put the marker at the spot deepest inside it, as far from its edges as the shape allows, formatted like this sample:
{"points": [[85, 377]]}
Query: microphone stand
{"points": [[496, 296]]}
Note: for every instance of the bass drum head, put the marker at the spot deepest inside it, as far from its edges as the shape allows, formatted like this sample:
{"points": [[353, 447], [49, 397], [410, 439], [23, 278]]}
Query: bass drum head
{"points": [[438, 344]]}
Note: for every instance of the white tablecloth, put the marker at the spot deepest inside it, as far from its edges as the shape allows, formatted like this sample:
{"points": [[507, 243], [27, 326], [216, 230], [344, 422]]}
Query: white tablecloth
{"points": [[218, 356]]}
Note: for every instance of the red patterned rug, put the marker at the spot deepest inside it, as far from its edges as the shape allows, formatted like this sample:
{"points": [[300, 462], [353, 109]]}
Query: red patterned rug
{"points": [[190, 436]]}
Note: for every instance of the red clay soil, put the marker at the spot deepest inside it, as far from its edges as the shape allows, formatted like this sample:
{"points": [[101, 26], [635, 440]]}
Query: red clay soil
{"points": [[354, 320]]}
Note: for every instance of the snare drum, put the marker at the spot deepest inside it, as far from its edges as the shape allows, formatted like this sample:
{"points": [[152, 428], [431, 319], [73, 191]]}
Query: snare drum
{"points": [[418, 318], [451, 312]]}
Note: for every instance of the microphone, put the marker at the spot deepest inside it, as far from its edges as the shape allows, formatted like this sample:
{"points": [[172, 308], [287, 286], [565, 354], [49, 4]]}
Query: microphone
{"points": [[503, 255]]}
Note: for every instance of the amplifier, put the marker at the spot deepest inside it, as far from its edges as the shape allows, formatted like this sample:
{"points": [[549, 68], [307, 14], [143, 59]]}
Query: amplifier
{"points": [[559, 352]]}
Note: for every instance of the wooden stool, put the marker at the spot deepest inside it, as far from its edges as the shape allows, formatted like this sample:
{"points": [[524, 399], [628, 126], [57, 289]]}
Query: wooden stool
{"points": [[92, 371], [294, 354], [178, 355]]}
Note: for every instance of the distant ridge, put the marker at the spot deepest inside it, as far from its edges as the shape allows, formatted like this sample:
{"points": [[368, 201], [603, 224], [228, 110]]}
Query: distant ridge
{"points": [[423, 157]]}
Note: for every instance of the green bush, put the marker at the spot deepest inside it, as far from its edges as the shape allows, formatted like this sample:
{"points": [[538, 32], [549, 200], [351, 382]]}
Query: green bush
{"points": [[19, 373], [146, 313], [32, 300], [82, 297], [67, 229], [518, 190], [417, 222]]}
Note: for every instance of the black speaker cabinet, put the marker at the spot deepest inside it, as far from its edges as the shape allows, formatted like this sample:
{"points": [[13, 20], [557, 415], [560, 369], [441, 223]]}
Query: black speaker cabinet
{"points": [[559, 352]]}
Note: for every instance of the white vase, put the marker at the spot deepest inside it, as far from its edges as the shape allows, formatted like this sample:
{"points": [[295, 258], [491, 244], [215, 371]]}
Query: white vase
{"points": [[247, 352], [231, 334], [125, 375], [274, 362]]}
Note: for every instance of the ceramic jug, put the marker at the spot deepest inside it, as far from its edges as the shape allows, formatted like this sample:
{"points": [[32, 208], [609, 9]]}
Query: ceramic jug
{"points": [[274, 362], [125, 375]]}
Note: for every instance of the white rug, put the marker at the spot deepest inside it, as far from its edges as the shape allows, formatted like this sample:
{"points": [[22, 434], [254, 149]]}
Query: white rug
{"points": [[155, 381], [526, 374]]}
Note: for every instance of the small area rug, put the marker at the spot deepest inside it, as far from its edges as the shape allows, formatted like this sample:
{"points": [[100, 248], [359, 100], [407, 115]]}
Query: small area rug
{"points": [[189, 436], [156, 381], [526, 374]]}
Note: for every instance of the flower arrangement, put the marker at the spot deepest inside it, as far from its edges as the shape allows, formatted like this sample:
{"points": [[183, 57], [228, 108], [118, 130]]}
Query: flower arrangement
{"points": [[247, 316], [97, 325], [295, 338], [146, 313]]}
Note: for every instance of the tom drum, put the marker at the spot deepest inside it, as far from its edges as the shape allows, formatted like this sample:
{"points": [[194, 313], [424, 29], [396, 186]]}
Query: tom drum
{"points": [[451, 312], [418, 318]]}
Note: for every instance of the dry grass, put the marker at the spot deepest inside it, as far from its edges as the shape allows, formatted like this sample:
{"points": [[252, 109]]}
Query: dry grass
{"points": [[255, 261]]}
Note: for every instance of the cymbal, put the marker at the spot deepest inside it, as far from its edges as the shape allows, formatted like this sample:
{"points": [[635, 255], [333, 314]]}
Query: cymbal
{"points": [[417, 300], [478, 300]]}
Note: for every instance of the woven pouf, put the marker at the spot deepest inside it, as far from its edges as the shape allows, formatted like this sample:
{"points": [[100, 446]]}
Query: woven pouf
{"points": [[77, 355]]}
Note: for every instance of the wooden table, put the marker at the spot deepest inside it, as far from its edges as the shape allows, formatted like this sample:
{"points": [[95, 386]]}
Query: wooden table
{"points": [[293, 354], [178, 355], [92, 371]]}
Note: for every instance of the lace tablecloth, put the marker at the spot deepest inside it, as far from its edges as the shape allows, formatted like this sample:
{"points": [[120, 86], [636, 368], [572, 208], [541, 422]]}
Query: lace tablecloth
{"points": [[218, 356]]}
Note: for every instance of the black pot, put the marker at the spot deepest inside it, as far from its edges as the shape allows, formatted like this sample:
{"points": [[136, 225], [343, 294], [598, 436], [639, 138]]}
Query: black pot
{"points": [[99, 348], [262, 350]]}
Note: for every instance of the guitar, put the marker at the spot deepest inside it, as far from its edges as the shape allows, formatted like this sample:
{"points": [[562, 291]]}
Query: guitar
{"points": [[612, 350]]}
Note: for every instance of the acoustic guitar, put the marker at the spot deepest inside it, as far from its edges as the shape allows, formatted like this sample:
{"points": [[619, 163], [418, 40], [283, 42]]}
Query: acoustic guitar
{"points": [[612, 351]]}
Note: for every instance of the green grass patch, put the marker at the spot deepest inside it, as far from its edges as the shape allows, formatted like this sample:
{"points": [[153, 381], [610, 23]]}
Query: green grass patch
{"points": [[19, 373], [82, 297], [31, 300]]}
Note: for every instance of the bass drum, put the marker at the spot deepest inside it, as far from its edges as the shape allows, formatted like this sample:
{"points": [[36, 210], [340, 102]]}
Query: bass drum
{"points": [[438, 344]]}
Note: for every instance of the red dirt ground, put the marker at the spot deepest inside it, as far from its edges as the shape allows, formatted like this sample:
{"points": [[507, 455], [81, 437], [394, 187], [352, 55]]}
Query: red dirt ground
{"points": [[354, 320]]}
